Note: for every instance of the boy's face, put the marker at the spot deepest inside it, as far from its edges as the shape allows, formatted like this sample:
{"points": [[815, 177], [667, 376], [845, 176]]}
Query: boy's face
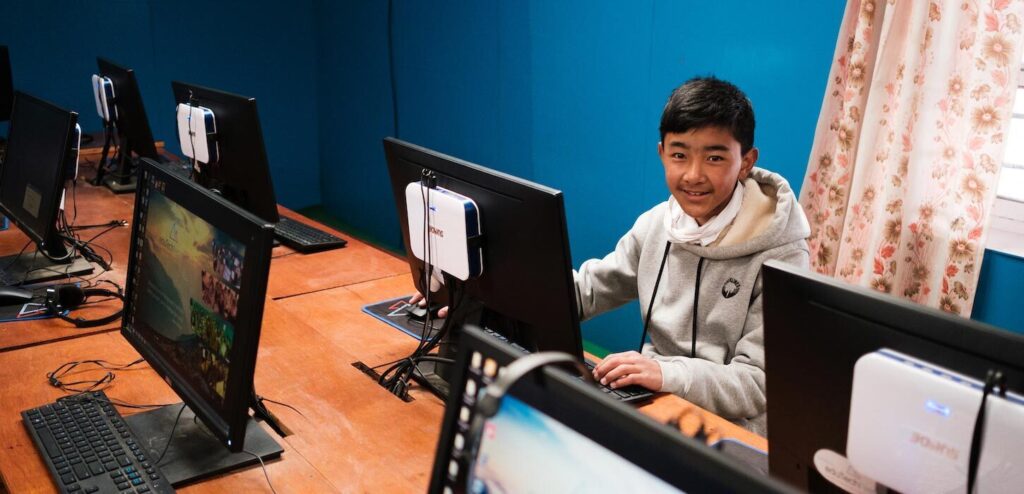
{"points": [[702, 167]]}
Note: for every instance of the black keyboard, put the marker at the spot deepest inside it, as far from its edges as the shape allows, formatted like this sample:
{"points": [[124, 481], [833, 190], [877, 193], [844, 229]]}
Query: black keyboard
{"points": [[88, 447], [633, 395], [305, 238]]}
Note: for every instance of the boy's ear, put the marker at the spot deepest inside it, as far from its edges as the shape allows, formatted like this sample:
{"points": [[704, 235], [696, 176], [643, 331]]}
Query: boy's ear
{"points": [[661, 148], [747, 163]]}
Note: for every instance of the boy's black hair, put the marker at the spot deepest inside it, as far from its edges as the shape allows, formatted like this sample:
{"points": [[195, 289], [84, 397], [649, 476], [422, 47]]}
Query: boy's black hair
{"points": [[709, 102]]}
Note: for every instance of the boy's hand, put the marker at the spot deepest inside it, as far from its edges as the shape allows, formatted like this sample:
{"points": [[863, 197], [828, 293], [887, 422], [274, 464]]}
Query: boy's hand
{"points": [[419, 300], [626, 368]]}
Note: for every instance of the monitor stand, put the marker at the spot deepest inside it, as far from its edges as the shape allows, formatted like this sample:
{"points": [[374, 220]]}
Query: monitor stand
{"points": [[35, 268], [195, 453], [123, 180], [435, 376]]}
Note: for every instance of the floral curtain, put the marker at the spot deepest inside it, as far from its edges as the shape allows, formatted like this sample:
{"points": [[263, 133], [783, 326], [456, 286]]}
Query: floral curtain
{"points": [[906, 155]]}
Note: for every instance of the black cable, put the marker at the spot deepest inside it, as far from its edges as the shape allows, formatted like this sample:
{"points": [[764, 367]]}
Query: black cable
{"points": [[20, 253], [54, 377], [654, 293], [696, 297], [101, 225], [993, 379], [264, 465], [263, 398], [170, 437]]}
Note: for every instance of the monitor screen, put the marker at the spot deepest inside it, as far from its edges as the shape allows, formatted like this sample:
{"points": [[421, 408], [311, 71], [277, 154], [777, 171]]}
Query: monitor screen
{"points": [[32, 178], [526, 287], [816, 328], [131, 113], [242, 174], [195, 288], [554, 433], [6, 84], [521, 439]]}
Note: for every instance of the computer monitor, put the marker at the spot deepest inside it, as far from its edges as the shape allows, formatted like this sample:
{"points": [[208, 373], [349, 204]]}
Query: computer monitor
{"points": [[242, 174], [197, 277], [526, 288], [136, 138], [41, 143], [6, 85], [555, 433], [816, 328]]}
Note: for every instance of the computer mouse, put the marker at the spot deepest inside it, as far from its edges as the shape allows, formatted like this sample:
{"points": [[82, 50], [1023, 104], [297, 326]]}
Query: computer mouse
{"points": [[11, 295]]}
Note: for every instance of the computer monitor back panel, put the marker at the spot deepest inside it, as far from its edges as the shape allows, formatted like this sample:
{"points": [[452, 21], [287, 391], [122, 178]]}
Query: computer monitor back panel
{"points": [[527, 267], [32, 178], [242, 174], [131, 112], [196, 283], [554, 433], [816, 328], [6, 84]]}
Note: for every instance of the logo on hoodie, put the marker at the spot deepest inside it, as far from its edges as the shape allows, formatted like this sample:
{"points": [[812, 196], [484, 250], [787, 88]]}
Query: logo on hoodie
{"points": [[730, 288]]}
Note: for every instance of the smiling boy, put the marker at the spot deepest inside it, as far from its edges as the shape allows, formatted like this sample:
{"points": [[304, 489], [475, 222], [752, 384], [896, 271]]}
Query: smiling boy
{"points": [[706, 243]]}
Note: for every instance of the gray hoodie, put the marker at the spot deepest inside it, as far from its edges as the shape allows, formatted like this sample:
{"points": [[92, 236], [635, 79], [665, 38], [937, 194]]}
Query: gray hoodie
{"points": [[727, 377]]}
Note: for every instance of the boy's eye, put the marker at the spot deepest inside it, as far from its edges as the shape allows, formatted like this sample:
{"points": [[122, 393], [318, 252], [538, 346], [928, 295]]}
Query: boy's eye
{"points": [[678, 156], [715, 158]]}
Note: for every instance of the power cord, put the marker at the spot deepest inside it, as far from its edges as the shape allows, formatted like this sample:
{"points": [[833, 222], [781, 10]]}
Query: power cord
{"points": [[170, 437], [264, 466]]}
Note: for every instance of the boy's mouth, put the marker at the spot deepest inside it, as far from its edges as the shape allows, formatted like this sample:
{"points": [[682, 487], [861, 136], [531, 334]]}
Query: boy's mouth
{"points": [[695, 194]]}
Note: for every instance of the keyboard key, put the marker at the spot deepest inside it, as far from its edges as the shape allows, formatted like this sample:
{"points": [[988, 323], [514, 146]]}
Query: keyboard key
{"points": [[50, 444], [96, 468]]}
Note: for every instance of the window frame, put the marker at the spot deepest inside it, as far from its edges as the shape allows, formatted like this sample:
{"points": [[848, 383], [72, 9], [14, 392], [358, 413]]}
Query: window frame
{"points": [[1006, 221]]}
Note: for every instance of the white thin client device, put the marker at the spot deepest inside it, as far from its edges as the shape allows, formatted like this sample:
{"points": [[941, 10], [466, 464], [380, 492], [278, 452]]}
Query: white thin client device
{"points": [[103, 93], [454, 222], [911, 425], [196, 133]]}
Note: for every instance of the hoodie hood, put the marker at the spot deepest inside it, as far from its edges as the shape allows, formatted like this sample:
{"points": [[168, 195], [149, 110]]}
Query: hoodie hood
{"points": [[771, 217]]}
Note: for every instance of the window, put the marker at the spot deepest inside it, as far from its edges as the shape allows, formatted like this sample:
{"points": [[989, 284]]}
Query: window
{"points": [[1006, 232]]}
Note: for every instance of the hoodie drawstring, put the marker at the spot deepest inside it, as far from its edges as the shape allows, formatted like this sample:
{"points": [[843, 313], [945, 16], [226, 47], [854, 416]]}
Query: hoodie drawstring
{"points": [[696, 297]]}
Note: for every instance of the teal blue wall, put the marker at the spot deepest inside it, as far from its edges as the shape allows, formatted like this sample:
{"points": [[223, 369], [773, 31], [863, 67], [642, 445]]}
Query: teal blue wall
{"points": [[1000, 292], [256, 48], [462, 77]]}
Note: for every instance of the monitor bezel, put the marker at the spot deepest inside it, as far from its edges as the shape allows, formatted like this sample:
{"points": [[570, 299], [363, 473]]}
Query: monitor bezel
{"points": [[55, 195], [257, 235], [262, 200], [133, 123], [673, 457], [452, 172]]}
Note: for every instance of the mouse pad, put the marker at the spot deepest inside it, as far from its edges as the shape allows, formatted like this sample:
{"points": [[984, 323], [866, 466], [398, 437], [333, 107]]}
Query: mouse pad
{"points": [[395, 313], [36, 309]]}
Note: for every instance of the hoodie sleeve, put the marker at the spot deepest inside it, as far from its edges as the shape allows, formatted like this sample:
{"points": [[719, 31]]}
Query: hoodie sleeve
{"points": [[604, 284], [736, 389]]}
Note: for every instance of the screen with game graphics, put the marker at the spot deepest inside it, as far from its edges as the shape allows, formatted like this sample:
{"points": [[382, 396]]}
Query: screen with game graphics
{"points": [[187, 283]]}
